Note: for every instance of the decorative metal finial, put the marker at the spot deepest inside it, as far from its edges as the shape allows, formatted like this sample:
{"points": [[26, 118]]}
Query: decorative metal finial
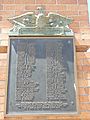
{"points": [[41, 10], [41, 24]]}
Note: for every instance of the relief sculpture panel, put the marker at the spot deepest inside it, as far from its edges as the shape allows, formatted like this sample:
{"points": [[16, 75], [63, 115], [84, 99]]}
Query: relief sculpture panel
{"points": [[41, 77]]}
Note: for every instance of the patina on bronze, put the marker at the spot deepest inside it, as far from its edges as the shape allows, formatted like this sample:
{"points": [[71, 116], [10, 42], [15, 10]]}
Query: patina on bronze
{"points": [[41, 76], [40, 24]]}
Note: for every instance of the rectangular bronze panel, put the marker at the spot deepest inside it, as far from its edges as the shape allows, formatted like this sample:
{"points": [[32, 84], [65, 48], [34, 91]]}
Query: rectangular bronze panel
{"points": [[41, 76]]}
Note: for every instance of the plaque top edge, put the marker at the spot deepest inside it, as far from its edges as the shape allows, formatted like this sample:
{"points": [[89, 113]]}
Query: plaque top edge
{"points": [[42, 36]]}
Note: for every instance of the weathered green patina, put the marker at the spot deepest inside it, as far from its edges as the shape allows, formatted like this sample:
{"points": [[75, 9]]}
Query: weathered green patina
{"points": [[32, 24]]}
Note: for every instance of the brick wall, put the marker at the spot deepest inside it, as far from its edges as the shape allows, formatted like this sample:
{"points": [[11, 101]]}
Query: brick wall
{"points": [[76, 9]]}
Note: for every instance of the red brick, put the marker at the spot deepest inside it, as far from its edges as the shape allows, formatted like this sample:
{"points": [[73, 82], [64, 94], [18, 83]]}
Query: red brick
{"points": [[19, 12], [4, 36], [78, 37], [82, 1], [30, 7], [42, 117], [20, 7], [1, 1], [85, 36], [81, 91], [14, 7], [0, 18], [8, 1], [2, 84], [62, 7], [48, 11], [81, 48], [25, 1], [83, 8], [1, 115], [84, 98], [29, 118], [84, 91], [74, 24], [85, 106], [79, 68], [63, 117], [51, 7], [84, 24], [84, 83], [45, 2], [86, 62], [3, 56], [80, 18], [80, 55], [68, 13], [85, 31], [86, 68], [1, 107], [3, 63], [56, 7], [67, 1], [83, 13], [52, 117], [75, 29], [3, 49], [5, 24], [7, 13], [3, 77], [4, 31], [79, 61], [86, 75], [2, 100], [80, 75], [72, 7], [9, 7], [3, 70], [1, 7], [85, 42], [2, 92]]}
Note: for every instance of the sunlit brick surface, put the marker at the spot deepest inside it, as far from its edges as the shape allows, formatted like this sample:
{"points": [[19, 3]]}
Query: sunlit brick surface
{"points": [[76, 9]]}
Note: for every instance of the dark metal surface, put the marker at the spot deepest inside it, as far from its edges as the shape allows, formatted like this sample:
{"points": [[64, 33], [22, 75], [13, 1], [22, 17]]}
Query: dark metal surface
{"points": [[41, 76]]}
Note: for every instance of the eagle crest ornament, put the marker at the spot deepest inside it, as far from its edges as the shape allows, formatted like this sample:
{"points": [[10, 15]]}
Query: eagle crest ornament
{"points": [[40, 24]]}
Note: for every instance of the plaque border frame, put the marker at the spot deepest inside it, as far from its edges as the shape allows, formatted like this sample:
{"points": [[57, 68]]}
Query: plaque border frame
{"points": [[75, 75]]}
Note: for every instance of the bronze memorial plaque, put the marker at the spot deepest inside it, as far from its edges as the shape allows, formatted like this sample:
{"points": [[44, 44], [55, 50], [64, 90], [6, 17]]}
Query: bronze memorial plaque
{"points": [[41, 77]]}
